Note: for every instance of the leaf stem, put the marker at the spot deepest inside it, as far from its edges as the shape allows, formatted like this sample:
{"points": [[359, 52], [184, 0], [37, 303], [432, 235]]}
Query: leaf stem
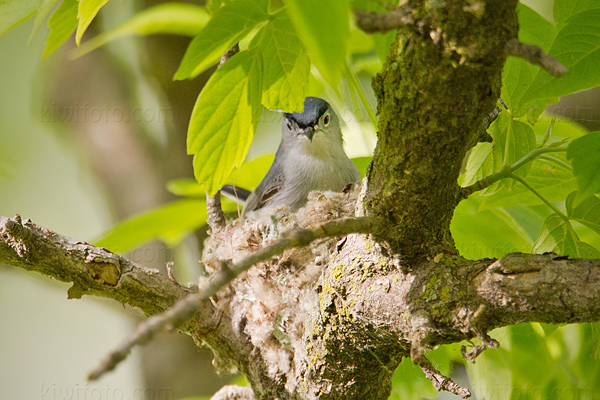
{"points": [[507, 171], [539, 195]]}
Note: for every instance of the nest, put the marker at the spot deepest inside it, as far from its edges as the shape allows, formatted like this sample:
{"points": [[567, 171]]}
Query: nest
{"points": [[272, 300]]}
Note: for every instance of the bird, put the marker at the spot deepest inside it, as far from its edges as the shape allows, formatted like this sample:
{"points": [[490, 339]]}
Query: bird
{"points": [[310, 157]]}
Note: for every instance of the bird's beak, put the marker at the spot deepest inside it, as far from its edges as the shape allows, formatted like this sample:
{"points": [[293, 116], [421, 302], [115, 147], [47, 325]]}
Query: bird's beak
{"points": [[309, 132]]}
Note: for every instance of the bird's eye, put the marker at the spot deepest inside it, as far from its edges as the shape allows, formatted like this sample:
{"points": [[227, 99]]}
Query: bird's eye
{"points": [[289, 124], [326, 120]]}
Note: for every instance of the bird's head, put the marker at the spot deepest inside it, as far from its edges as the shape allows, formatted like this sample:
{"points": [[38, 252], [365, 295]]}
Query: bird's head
{"points": [[315, 129]]}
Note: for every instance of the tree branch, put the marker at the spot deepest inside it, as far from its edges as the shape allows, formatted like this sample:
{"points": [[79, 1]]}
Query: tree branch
{"points": [[372, 22], [535, 55], [188, 306]]}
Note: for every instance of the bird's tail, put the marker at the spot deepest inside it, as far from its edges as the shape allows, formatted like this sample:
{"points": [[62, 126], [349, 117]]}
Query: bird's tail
{"points": [[235, 193]]}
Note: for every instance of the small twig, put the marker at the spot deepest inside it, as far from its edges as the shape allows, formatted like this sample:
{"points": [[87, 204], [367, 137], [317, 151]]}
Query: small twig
{"points": [[214, 216], [185, 309], [440, 381], [535, 55], [229, 53], [372, 22]]}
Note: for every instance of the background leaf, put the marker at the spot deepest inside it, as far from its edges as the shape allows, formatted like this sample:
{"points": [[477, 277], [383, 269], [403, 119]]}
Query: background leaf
{"points": [[170, 223], [171, 18], [587, 212], [224, 119], [323, 27], [86, 13], [62, 24], [227, 27], [286, 65], [584, 154], [13, 12]]}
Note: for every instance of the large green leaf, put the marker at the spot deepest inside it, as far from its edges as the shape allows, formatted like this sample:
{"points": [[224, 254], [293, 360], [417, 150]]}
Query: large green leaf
{"points": [[587, 212], [576, 46], [167, 18], [170, 223], [224, 119], [323, 27], [584, 154], [228, 26], [490, 233], [13, 12], [62, 24], [286, 65], [86, 13]]}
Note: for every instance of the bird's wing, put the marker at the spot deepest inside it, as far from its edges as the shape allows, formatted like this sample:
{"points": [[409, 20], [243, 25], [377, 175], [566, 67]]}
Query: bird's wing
{"points": [[235, 193], [263, 194]]}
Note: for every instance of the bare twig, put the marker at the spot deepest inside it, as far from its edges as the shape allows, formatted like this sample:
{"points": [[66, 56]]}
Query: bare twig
{"points": [[535, 55], [372, 22], [187, 307]]}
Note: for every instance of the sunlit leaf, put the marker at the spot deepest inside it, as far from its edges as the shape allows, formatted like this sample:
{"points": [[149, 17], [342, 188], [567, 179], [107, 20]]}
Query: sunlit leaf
{"points": [[323, 27], [224, 119], [62, 24], [169, 223], [13, 12], [86, 13], [228, 26], [286, 65], [584, 154], [167, 18]]}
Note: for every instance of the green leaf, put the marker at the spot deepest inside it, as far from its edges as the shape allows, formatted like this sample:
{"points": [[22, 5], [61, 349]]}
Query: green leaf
{"points": [[286, 65], [517, 74], [170, 223], [362, 163], [323, 27], [13, 12], [409, 382], [558, 236], [85, 14], [586, 212], [228, 26], [577, 46], [535, 29], [563, 9], [584, 154], [42, 13], [167, 18], [490, 375], [224, 119], [479, 164], [491, 233], [62, 24]]}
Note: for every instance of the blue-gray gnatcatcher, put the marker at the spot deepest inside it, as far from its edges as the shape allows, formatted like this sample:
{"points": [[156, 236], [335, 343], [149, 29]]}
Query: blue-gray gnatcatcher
{"points": [[310, 157]]}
